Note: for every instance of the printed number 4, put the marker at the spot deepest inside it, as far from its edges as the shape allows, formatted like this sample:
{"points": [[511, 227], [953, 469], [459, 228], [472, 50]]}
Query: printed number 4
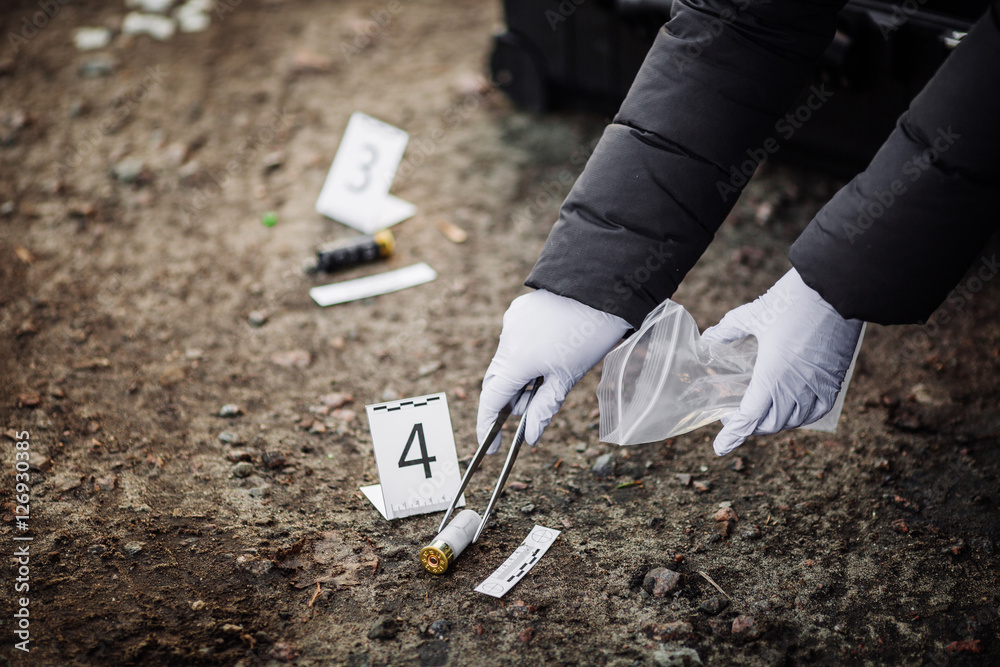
{"points": [[424, 460]]}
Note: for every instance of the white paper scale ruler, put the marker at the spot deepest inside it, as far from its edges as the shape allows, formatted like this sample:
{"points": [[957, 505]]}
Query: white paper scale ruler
{"points": [[382, 283], [520, 562]]}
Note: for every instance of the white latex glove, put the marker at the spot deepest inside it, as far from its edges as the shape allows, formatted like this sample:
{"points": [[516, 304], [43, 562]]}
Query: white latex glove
{"points": [[804, 350], [549, 335]]}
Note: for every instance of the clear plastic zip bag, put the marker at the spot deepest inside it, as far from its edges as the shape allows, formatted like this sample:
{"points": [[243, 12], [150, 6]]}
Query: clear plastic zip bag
{"points": [[666, 380]]}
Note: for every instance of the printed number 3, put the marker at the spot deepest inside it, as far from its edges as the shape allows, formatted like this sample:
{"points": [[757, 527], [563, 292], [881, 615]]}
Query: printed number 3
{"points": [[424, 460], [366, 169]]}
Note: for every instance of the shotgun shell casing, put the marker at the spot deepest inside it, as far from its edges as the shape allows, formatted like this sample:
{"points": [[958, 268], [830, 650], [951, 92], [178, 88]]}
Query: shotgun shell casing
{"points": [[438, 556], [359, 250]]}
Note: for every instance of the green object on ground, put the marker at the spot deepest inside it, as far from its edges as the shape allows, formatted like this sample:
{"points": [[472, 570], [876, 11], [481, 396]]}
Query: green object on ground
{"points": [[270, 219]]}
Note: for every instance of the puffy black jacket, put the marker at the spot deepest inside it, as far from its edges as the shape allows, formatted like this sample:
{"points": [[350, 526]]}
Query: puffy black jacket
{"points": [[712, 92]]}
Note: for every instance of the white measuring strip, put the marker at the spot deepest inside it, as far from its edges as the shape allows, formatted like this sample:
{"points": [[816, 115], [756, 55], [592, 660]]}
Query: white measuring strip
{"points": [[517, 565], [382, 283]]}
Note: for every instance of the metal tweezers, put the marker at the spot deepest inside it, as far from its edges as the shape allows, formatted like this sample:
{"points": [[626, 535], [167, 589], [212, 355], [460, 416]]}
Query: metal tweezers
{"points": [[515, 447]]}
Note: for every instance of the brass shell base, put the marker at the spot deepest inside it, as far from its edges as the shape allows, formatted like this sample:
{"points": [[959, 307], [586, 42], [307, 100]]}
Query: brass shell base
{"points": [[436, 557]]}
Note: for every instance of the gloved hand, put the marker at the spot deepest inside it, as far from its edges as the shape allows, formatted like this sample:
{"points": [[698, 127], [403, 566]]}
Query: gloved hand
{"points": [[804, 348], [549, 335]]}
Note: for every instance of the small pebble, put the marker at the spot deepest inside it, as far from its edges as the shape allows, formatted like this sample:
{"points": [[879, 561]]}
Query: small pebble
{"points": [[527, 509], [684, 478], [751, 533], [440, 628], [739, 465], [197, 605], [725, 514], [310, 62], [713, 605], [429, 368], [89, 39], [172, 376], [192, 18], [258, 318], [676, 657], [661, 581], [39, 462], [132, 548], [105, 483], [230, 410], [292, 358], [96, 549], [955, 549], [677, 630], [128, 170], [273, 460], [96, 68], [243, 469], [581, 447], [157, 27], [229, 438], [702, 487], [604, 466], [336, 400], [272, 161], [237, 455], [744, 626]]}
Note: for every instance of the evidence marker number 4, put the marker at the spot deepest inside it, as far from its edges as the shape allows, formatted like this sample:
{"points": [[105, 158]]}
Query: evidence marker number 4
{"points": [[415, 453]]}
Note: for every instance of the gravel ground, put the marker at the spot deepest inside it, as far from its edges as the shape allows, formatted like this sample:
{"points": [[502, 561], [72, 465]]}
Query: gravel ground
{"points": [[140, 294]]}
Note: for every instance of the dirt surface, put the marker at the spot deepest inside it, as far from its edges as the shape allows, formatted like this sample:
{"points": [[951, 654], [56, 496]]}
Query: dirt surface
{"points": [[141, 293]]}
